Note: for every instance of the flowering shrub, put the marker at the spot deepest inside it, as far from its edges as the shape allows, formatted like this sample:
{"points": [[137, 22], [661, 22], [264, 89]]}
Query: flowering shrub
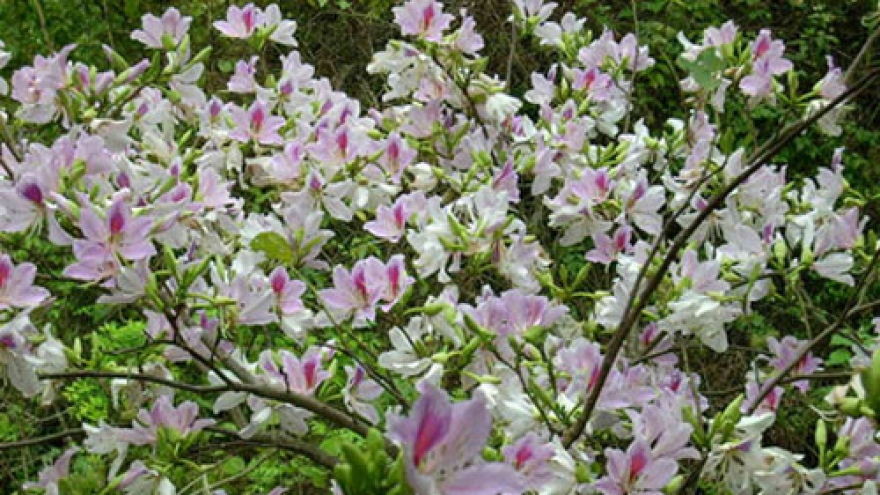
{"points": [[460, 292]]}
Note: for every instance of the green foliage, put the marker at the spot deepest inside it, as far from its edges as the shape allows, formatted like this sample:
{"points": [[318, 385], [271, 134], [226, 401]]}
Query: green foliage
{"points": [[368, 470], [88, 400]]}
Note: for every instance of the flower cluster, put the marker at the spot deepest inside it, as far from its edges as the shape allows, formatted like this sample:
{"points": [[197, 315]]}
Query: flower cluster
{"points": [[510, 286]]}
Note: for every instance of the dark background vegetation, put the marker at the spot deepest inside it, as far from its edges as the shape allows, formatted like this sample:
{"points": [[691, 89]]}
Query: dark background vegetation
{"points": [[339, 38]]}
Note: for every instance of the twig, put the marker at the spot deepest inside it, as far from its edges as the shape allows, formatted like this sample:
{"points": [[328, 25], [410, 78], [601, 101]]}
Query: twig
{"points": [[635, 62], [631, 316], [851, 306], [863, 52], [306, 449], [29, 442], [511, 55], [78, 374], [41, 18]]}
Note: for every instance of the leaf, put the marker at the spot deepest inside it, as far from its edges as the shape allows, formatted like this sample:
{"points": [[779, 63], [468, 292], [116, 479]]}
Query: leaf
{"points": [[839, 357], [274, 245], [704, 68], [226, 66], [234, 465]]}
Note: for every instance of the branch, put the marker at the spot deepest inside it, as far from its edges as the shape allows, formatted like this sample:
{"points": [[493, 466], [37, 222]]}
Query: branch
{"points": [[863, 52], [29, 442], [631, 315], [852, 307], [322, 409], [298, 446], [74, 375]]}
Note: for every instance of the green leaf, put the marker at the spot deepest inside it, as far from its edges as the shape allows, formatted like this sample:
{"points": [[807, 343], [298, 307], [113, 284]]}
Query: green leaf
{"points": [[839, 357], [704, 68], [274, 245], [234, 465]]}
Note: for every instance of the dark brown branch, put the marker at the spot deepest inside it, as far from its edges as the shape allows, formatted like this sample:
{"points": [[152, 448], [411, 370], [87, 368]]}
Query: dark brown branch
{"points": [[74, 375], [631, 315], [30, 442], [852, 305], [298, 446]]}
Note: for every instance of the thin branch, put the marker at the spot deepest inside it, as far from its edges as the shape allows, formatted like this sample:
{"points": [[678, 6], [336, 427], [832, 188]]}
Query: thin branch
{"points": [[763, 154], [863, 52], [851, 306], [511, 55], [313, 452], [30, 442], [41, 18], [78, 374]]}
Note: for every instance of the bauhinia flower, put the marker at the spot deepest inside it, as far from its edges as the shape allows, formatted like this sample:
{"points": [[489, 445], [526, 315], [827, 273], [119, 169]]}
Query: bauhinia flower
{"points": [[767, 61], [172, 27], [183, 420], [240, 22], [244, 22], [119, 235], [356, 293], [442, 442], [785, 351], [17, 289], [423, 18], [636, 471], [360, 391], [256, 124], [50, 476]]}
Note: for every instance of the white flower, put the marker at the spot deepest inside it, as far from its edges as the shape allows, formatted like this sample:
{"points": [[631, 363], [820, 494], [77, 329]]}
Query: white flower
{"points": [[500, 106], [282, 30], [835, 267], [404, 359]]}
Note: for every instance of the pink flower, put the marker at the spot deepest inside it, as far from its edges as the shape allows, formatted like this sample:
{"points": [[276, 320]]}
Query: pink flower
{"points": [[635, 471], [299, 375], [514, 312], [287, 291], [598, 85], [241, 22], [507, 180], [724, 35], [254, 302], [256, 124], [390, 222], [242, 81], [182, 419], [784, 353], [16, 285], [36, 87], [442, 442], [424, 18], [339, 146], [839, 231], [141, 479], [397, 156], [50, 476], [119, 234], [833, 84], [769, 404], [531, 457], [397, 281], [357, 292], [607, 248], [767, 62], [172, 25], [360, 391], [468, 40]]}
